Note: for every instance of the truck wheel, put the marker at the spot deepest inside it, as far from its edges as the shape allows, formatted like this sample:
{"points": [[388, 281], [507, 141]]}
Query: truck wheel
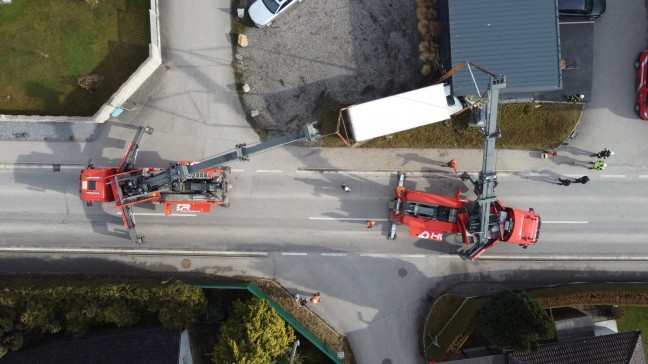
{"points": [[226, 202], [637, 107], [637, 64]]}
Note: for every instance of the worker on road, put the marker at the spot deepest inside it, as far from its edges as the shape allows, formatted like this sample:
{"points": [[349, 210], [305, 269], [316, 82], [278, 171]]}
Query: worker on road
{"points": [[576, 97], [599, 165], [605, 154], [346, 188], [582, 180], [315, 299], [370, 224], [564, 182], [452, 164]]}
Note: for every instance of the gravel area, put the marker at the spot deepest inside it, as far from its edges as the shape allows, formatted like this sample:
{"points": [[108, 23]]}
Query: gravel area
{"points": [[52, 131], [319, 53]]}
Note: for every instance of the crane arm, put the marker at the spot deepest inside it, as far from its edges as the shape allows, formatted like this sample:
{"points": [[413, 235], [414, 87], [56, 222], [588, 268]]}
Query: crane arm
{"points": [[243, 152], [485, 185]]}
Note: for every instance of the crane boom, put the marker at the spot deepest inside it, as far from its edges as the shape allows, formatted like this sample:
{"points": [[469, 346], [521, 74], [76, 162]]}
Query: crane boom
{"points": [[485, 184]]}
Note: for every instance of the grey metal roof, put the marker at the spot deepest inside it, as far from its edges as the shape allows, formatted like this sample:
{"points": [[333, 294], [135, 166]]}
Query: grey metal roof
{"points": [[519, 38]]}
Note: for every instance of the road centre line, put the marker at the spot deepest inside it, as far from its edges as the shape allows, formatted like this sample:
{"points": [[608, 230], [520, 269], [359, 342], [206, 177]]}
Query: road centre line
{"points": [[333, 254], [613, 176], [345, 219], [565, 222], [269, 171], [236, 170], [413, 255], [377, 255], [293, 253], [158, 214]]}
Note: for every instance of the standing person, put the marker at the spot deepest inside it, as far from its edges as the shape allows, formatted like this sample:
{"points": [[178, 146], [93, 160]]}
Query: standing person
{"points": [[452, 164], [605, 154], [370, 224], [564, 182], [346, 188], [576, 97], [599, 165], [315, 299], [582, 180]]}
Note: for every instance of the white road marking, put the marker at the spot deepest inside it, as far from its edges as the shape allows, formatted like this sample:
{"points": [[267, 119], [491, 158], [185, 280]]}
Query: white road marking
{"points": [[290, 253], [565, 222], [130, 251], [333, 254], [613, 176], [643, 176], [237, 170], [373, 255], [413, 255], [269, 171], [159, 214], [345, 219]]}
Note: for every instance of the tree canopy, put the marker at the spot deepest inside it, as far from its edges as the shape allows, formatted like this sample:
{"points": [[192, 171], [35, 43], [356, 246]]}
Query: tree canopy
{"points": [[28, 313], [513, 321], [254, 334]]}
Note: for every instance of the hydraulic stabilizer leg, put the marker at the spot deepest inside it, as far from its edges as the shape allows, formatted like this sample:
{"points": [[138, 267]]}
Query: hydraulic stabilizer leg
{"points": [[397, 206], [129, 223]]}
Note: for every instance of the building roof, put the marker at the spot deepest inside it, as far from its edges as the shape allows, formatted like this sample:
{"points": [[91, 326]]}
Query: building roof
{"points": [[572, 324], [622, 348], [519, 38], [159, 345]]}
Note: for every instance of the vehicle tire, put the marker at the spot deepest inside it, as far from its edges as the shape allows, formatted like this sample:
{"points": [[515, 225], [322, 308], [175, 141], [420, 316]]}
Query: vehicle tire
{"points": [[226, 202], [637, 108], [637, 64]]}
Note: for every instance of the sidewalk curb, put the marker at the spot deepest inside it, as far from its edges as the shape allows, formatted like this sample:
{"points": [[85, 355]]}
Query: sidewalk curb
{"points": [[565, 258], [52, 166]]}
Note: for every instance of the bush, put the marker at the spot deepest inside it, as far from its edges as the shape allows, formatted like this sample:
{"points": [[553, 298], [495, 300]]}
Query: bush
{"points": [[513, 321], [27, 313], [614, 312]]}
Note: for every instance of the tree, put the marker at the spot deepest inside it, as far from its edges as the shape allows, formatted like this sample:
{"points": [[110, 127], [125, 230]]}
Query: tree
{"points": [[254, 334], [513, 321]]}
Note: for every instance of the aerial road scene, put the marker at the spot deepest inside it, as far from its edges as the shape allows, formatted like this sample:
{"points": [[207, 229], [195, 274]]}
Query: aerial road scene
{"points": [[344, 181]]}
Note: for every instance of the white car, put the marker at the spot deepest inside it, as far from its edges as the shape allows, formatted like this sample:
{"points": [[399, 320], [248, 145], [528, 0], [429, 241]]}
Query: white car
{"points": [[263, 12]]}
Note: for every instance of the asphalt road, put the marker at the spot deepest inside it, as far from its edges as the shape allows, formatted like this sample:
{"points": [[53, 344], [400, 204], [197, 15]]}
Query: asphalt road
{"points": [[307, 211], [374, 290]]}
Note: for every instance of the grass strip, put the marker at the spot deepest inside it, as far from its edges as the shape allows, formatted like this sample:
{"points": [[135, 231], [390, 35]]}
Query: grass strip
{"points": [[525, 126]]}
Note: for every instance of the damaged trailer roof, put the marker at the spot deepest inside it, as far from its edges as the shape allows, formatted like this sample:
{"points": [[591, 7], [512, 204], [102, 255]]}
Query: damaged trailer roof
{"points": [[397, 113]]}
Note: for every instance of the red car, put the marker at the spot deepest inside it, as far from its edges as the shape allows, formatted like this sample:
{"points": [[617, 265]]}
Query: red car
{"points": [[641, 65]]}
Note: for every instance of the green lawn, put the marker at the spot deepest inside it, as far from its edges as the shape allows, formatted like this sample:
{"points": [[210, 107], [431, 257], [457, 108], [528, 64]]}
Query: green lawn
{"points": [[527, 126], [46, 45], [636, 318], [444, 309]]}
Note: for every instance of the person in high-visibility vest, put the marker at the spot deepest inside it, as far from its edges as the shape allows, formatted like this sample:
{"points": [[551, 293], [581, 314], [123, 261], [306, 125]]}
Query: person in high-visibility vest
{"points": [[370, 224], [315, 299], [576, 97], [599, 165]]}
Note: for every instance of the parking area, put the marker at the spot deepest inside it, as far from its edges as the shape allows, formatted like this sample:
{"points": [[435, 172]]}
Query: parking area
{"points": [[323, 53], [577, 51]]}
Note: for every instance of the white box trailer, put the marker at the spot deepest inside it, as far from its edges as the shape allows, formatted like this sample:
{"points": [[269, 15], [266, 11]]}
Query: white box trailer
{"points": [[400, 112]]}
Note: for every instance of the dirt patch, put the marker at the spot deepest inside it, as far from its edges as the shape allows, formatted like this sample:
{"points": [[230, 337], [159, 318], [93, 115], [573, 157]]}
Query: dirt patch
{"points": [[320, 53]]}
